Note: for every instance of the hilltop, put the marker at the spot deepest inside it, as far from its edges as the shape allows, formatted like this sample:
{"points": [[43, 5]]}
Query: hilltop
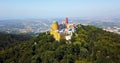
{"points": [[88, 45]]}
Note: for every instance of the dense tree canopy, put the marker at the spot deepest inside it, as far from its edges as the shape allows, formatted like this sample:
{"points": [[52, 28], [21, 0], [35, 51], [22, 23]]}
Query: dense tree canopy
{"points": [[88, 45]]}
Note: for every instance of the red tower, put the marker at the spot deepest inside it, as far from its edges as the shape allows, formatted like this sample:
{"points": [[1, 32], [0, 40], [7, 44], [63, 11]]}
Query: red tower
{"points": [[66, 20]]}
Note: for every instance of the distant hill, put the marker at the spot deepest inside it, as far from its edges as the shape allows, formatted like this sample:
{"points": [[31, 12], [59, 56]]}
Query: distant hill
{"points": [[106, 24], [17, 26], [24, 26], [88, 45]]}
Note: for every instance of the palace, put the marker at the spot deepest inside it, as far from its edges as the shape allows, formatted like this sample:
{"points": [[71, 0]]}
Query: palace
{"points": [[63, 30]]}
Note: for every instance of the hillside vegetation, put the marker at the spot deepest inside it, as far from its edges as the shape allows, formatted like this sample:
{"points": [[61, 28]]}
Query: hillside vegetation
{"points": [[88, 45], [9, 40]]}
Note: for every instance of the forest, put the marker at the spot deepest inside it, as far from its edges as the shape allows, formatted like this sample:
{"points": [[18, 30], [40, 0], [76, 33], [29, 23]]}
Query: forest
{"points": [[9, 40], [89, 44]]}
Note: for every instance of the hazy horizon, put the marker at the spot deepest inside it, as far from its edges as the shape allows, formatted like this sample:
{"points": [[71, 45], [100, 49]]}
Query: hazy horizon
{"points": [[23, 9]]}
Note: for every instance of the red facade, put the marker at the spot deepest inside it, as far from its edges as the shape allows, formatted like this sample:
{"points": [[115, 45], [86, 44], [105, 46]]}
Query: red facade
{"points": [[66, 20]]}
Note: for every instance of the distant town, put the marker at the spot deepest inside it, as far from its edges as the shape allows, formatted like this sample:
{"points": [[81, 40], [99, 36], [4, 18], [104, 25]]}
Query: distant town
{"points": [[113, 29], [41, 25]]}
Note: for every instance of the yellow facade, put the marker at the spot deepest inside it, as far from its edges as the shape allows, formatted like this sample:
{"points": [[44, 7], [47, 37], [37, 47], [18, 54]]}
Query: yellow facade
{"points": [[57, 36], [54, 31], [55, 26], [67, 25]]}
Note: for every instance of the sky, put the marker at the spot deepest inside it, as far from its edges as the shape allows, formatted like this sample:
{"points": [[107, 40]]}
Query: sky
{"points": [[20, 9]]}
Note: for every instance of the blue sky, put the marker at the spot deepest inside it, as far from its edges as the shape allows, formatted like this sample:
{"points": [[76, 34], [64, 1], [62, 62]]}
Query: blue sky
{"points": [[18, 9]]}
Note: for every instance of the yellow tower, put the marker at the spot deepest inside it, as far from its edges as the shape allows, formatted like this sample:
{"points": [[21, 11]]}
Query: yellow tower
{"points": [[54, 31], [55, 26]]}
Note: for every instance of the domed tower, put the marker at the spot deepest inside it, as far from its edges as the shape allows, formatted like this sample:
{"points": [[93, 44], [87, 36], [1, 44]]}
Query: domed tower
{"points": [[54, 31], [55, 26]]}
